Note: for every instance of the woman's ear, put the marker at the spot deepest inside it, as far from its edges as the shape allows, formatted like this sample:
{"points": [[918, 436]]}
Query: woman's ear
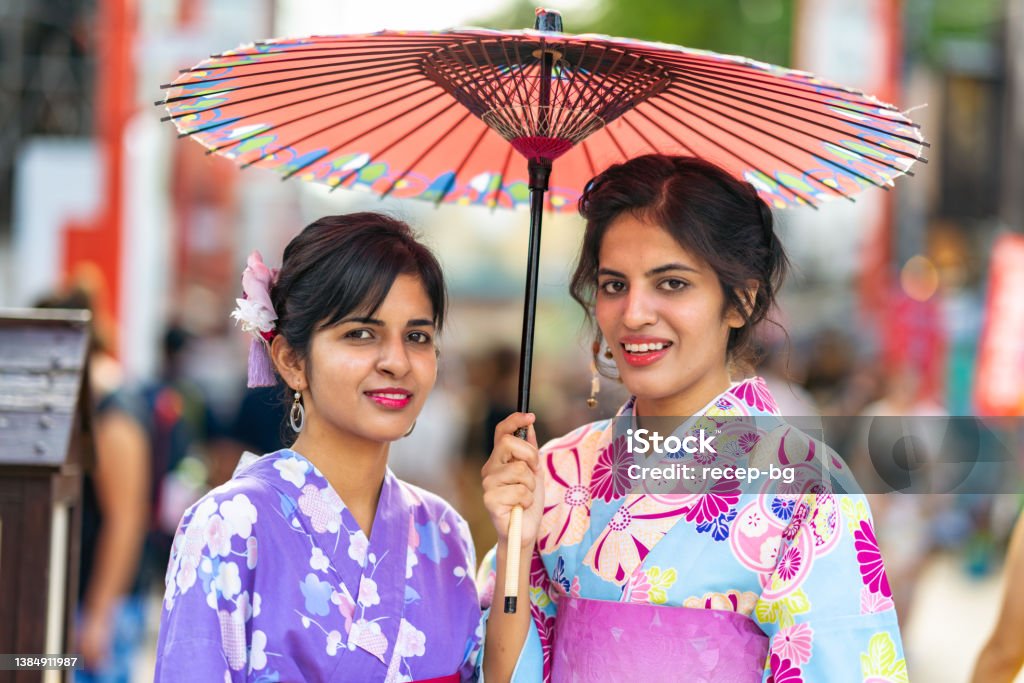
{"points": [[291, 368], [747, 297]]}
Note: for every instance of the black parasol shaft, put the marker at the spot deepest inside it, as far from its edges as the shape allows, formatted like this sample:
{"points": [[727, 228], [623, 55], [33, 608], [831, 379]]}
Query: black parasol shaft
{"points": [[539, 172]]}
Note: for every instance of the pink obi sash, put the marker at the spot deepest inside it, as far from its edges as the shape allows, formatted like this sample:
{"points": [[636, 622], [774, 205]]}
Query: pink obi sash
{"points": [[599, 640], [452, 678]]}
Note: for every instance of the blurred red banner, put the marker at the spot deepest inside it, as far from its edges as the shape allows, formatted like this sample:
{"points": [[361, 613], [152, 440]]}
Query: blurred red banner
{"points": [[998, 389]]}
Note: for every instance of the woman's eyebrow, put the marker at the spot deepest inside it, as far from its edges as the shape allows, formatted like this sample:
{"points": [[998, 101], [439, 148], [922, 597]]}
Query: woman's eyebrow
{"points": [[669, 267], [654, 271], [610, 272], [414, 322]]}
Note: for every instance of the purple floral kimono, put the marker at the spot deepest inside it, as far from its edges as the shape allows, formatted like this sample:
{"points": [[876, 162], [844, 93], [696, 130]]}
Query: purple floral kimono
{"points": [[271, 579]]}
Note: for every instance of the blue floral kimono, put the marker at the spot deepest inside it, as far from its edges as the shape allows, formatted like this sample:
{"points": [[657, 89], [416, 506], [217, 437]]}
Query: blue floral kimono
{"points": [[798, 562], [271, 579]]}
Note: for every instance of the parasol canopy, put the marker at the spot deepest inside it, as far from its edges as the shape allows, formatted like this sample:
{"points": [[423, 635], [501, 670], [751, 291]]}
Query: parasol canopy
{"points": [[452, 116]]}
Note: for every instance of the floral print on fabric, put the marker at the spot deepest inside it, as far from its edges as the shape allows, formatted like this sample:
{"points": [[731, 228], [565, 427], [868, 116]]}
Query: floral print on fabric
{"points": [[799, 561], [272, 579]]}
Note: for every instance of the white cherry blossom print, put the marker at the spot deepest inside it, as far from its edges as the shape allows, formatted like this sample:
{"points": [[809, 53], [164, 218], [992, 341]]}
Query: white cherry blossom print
{"points": [[243, 607], [358, 544], [240, 513], [186, 577], [318, 560], [753, 525], [228, 581], [333, 641], [411, 642], [410, 562], [202, 513], [770, 550], [258, 653], [218, 536], [293, 470], [250, 552], [368, 595]]}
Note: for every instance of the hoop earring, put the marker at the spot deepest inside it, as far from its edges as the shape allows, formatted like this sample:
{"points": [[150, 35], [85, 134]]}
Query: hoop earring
{"points": [[410, 429], [297, 415], [595, 377]]}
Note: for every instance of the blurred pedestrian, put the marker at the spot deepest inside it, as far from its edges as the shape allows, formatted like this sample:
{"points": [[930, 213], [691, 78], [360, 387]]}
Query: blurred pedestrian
{"points": [[115, 512], [1003, 655]]}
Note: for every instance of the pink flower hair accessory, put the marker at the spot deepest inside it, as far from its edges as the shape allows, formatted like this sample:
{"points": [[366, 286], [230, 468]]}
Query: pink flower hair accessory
{"points": [[256, 313]]}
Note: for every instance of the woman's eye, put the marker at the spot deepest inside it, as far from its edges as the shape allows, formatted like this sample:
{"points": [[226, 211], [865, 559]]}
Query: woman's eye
{"points": [[673, 284], [419, 337], [359, 334], [612, 286]]}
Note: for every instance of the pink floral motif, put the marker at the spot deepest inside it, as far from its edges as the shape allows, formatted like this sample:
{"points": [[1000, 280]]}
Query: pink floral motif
{"points": [[723, 495], [869, 557], [538, 572], [320, 506], [748, 441], [638, 588], [232, 638], [610, 479], [705, 458], [539, 579], [566, 496], [574, 591], [546, 630], [794, 643], [754, 392], [799, 516], [790, 563], [218, 536], [634, 529], [346, 606], [783, 671], [872, 603], [486, 590]]}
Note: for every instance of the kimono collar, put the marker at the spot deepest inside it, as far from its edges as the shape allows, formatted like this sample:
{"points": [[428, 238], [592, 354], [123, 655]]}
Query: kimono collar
{"points": [[747, 397]]}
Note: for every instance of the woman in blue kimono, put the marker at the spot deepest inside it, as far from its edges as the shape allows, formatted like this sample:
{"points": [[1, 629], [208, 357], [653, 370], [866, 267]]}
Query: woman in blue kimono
{"points": [[315, 563], [721, 576]]}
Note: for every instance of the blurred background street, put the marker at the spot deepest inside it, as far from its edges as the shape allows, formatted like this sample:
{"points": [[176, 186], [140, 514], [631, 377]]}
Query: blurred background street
{"points": [[903, 303]]}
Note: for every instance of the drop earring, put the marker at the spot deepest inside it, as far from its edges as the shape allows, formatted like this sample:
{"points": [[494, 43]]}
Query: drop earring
{"points": [[595, 377], [297, 415]]}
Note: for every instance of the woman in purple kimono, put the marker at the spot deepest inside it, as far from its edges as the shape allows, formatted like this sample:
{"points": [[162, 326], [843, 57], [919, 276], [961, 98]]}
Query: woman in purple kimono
{"points": [[713, 577], [314, 563]]}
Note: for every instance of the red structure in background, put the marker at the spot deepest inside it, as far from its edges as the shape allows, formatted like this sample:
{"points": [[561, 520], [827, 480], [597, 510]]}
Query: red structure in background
{"points": [[877, 271], [94, 246], [997, 388]]}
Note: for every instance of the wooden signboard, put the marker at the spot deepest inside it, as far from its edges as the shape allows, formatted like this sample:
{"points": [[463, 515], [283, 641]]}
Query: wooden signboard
{"points": [[45, 443]]}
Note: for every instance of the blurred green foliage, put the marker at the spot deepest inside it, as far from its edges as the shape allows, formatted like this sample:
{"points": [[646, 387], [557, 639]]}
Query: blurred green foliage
{"points": [[762, 29]]}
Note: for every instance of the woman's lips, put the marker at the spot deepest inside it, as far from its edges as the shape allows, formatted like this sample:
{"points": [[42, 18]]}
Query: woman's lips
{"points": [[392, 399], [643, 353]]}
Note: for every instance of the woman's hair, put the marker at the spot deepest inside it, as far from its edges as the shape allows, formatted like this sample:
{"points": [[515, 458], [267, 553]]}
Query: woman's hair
{"points": [[708, 212], [340, 265]]}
